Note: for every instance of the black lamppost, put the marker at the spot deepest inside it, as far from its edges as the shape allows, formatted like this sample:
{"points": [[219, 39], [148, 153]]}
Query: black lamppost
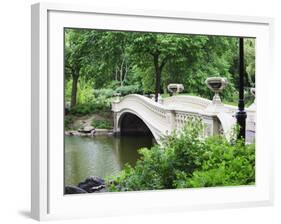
{"points": [[241, 115]]}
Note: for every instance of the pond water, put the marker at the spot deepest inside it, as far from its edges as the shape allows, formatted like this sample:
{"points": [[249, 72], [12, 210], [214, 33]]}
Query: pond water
{"points": [[100, 155]]}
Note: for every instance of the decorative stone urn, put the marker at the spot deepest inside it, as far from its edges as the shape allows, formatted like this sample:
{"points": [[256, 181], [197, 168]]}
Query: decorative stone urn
{"points": [[216, 84], [175, 88], [117, 97]]}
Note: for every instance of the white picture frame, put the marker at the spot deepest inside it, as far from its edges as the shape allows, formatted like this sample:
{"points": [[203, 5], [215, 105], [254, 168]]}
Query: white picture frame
{"points": [[48, 201]]}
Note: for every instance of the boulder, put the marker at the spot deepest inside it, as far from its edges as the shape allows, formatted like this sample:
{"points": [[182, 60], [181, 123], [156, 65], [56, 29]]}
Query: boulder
{"points": [[92, 184], [74, 190], [100, 188], [86, 129]]}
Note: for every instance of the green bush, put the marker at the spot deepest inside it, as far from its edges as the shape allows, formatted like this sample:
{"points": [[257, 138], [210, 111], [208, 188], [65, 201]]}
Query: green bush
{"points": [[106, 93], [101, 99], [130, 89], [122, 90], [81, 109], [189, 160], [103, 124], [222, 164], [68, 121], [97, 105]]}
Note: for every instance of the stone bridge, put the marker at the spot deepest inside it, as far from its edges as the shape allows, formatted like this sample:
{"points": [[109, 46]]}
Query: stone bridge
{"points": [[137, 114]]}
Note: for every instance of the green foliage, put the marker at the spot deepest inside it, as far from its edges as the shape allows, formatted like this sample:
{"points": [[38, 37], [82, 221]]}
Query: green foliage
{"points": [[85, 91], [77, 49], [130, 89], [82, 109], [148, 81], [68, 121], [250, 61], [107, 62], [67, 90], [122, 90], [103, 124], [107, 93], [187, 159], [223, 164], [99, 104], [78, 57], [90, 100], [103, 63]]}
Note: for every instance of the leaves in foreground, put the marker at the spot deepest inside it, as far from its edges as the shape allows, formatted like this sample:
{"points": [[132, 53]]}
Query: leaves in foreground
{"points": [[186, 160]]}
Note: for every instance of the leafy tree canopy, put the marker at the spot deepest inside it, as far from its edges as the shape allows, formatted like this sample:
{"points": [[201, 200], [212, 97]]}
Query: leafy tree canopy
{"points": [[150, 61]]}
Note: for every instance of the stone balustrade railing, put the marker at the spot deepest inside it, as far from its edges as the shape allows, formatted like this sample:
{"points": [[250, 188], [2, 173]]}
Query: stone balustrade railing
{"points": [[173, 112]]}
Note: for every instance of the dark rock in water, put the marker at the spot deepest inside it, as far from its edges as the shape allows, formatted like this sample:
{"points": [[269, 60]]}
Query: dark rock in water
{"points": [[74, 190], [92, 184], [101, 188]]}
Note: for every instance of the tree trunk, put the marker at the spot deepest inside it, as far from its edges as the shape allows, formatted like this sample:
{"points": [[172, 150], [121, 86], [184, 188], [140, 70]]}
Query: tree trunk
{"points": [[158, 76], [74, 90], [158, 70]]}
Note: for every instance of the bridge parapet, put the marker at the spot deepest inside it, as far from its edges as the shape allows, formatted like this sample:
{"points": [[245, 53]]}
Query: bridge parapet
{"points": [[185, 101], [174, 111]]}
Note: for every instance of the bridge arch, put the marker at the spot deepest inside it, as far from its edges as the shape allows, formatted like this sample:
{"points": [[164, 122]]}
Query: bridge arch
{"points": [[129, 122]]}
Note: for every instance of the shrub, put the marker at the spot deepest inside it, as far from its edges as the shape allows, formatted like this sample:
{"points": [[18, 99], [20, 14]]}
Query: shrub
{"points": [[188, 160], [100, 100], [81, 109], [97, 105], [223, 164], [68, 121], [105, 93], [123, 90], [101, 124], [130, 89]]}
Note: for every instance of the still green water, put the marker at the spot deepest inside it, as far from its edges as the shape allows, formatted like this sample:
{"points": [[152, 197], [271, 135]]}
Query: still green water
{"points": [[100, 155]]}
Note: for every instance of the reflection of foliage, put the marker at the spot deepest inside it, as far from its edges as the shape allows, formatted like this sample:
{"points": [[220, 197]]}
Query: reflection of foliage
{"points": [[188, 160]]}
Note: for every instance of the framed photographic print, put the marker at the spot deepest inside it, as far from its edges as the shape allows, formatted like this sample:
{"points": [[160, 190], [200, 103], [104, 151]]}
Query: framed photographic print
{"points": [[148, 111]]}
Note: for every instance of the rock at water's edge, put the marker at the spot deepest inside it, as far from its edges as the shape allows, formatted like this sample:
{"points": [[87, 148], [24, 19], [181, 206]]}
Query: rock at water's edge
{"points": [[74, 190], [92, 184], [87, 129]]}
